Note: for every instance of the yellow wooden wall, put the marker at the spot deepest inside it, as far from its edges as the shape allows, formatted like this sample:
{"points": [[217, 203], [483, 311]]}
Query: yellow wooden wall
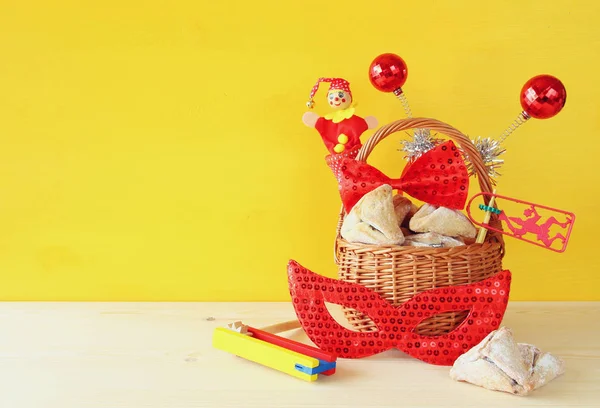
{"points": [[153, 150]]}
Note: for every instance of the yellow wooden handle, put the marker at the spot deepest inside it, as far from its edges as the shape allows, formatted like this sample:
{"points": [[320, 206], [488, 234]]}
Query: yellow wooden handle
{"points": [[486, 220]]}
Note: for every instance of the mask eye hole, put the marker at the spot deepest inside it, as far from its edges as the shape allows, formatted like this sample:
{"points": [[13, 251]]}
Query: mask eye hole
{"points": [[430, 326], [336, 310], [341, 94]]}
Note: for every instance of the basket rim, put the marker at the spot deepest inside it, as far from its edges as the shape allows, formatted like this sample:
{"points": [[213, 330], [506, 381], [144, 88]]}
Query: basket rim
{"points": [[489, 243], [488, 240]]}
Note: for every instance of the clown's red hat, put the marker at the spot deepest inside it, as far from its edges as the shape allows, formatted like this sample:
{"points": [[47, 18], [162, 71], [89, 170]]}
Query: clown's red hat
{"points": [[335, 83]]}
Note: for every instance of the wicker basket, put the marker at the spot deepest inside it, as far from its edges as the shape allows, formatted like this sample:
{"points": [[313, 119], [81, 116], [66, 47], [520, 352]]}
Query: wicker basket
{"points": [[399, 272]]}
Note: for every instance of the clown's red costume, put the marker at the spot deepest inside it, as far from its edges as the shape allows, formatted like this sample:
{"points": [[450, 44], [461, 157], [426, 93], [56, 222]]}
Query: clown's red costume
{"points": [[333, 133]]}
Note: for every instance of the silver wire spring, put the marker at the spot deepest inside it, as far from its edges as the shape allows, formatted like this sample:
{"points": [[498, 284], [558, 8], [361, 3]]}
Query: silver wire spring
{"points": [[522, 118], [402, 98]]}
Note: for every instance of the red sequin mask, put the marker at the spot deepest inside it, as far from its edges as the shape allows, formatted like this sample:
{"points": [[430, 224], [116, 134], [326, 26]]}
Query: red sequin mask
{"points": [[485, 300], [439, 177]]}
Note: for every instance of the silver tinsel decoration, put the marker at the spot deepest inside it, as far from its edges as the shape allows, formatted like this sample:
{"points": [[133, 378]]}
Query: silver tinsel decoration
{"points": [[490, 150], [420, 144]]}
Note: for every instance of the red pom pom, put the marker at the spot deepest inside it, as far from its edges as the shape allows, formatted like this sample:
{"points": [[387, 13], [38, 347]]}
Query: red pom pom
{"points": [[543, 96], [388, 72]]}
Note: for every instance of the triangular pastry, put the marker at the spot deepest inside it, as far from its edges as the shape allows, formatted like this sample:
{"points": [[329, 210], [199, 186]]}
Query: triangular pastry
{"points": [[503, 351], [545, 367], [442, 220], [404, 209], [500, 363], [373, 220]]}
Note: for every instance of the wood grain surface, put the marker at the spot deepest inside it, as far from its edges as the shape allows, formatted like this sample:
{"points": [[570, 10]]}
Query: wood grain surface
{"points": [[62, 355]]}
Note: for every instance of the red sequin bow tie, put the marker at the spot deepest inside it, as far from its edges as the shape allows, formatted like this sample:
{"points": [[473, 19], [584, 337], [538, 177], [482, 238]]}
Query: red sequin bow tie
{"points": [[486, 302], [438, 177]]}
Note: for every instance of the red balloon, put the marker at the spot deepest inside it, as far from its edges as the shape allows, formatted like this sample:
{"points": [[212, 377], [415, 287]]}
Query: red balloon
{"points": [[543, 96], [388, 72]]}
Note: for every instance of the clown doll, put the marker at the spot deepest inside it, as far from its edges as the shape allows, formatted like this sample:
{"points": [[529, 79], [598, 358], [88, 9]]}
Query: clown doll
{"points": [[341, 129]]}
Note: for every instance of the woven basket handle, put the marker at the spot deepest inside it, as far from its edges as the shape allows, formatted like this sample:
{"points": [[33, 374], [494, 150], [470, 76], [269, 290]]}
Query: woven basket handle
{"points": [[465, 143]]}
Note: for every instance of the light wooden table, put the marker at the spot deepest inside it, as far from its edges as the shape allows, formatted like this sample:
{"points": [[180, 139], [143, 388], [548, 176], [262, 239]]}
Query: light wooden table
{"points": [[62, 355]]}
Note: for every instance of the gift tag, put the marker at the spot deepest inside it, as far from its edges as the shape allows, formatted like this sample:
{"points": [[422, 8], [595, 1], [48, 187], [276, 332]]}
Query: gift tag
{"points": [[537, 224]]}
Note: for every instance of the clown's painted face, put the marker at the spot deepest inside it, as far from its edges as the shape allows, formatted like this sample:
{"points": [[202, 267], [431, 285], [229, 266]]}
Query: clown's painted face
{"points": [[339, 99]]}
